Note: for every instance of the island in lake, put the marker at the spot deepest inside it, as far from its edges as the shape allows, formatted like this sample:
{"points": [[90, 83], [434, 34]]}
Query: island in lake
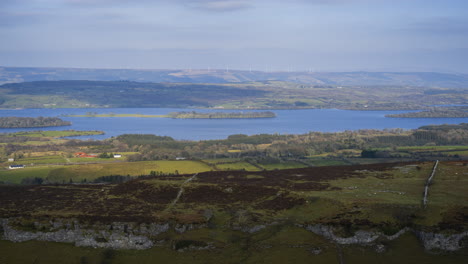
{"points": [[435, 113], [221, 115], [189, 115], [26, 122], [94, 114]]}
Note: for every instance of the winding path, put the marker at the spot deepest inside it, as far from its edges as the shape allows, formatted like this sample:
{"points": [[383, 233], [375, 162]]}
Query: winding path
{"points": [[181, 190], [428, 182]]}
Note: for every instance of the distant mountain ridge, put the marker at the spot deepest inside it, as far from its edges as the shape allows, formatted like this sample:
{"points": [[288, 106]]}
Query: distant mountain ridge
{"points": [[426, 79]]}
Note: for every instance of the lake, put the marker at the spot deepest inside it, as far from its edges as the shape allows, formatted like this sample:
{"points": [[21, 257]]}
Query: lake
{"points": [[286, 122]]}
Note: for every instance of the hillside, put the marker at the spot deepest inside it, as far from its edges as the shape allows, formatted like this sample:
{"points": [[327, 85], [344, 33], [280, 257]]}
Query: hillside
{"points": [[257, 95], [249, 197], [429, 79], [16, 122], [300, 214]]}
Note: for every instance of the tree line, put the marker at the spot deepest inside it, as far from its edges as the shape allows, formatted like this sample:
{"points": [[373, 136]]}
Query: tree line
{"points": [[435, 113], [289, 146], [24, 122], [263, 147]]}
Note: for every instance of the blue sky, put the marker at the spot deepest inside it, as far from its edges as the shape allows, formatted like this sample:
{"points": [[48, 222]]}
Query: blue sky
{"points": [[275, 35]]}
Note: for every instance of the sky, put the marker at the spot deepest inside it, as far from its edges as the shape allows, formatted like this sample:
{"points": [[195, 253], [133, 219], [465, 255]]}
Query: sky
{"points": [[267, 35]]}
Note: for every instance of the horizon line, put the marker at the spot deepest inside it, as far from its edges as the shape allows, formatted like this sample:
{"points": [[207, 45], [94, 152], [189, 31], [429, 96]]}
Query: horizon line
{"points": [[212, 70]]}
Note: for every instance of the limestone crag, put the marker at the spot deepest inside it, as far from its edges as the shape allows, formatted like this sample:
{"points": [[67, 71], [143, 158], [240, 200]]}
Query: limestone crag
{"points": [[116, 235], [441, 241], [430, 240], [120, 235], [360, 237]]}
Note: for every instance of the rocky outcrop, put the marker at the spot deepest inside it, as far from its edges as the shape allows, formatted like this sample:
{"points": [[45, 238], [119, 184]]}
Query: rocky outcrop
{"points": [[360, 237], [116, 235], [441, 241], [119, 235], [182, 228], [430, 240]]}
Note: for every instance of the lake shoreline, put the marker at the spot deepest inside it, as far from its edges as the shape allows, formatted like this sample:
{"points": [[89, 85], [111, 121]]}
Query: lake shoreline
{"points": [[286, 122]]}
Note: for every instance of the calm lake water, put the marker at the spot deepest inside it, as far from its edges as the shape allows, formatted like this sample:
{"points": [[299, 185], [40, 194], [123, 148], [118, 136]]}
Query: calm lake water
{"points": [[286, 122]]}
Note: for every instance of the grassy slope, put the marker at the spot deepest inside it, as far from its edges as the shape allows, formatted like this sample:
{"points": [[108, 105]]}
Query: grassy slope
{"points": [[360, 191], [78, 173], [407, 247], [288, 243]]}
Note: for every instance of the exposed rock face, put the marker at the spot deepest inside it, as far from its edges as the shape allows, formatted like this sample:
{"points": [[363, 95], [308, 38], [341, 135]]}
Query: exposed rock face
{"points": [[120, 235], [182, 228], [441, 241], [360, 237], [430, 241], [117, 235]]}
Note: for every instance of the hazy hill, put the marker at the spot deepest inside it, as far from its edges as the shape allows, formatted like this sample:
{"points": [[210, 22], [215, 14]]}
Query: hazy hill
{"points": [[260, 95], [77, 93], [428, 79]]}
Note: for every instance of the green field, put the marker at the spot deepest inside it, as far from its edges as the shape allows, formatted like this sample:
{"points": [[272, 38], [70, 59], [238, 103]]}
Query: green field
{"points": [[91, 160], [15, 176], [62, 160], [41, 160], [436, 148], [78, 173], [54, 168]]}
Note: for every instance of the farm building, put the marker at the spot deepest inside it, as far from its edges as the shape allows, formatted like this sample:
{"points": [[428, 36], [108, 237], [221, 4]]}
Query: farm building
{"points": [[14, 167], [11, 159], [117, 155], [85, 155]]}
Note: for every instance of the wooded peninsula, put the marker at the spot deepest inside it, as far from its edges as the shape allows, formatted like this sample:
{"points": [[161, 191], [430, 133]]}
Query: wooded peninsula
{"points": [[24, 122], [435, 113]]}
